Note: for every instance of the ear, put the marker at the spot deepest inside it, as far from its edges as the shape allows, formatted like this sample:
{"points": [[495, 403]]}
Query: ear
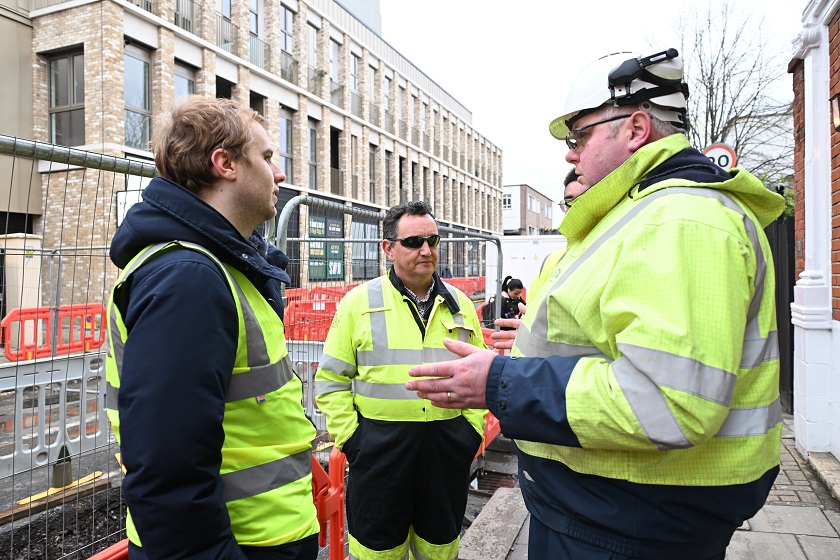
{"points": [[223, 165], [641, 130], [388, 248]]}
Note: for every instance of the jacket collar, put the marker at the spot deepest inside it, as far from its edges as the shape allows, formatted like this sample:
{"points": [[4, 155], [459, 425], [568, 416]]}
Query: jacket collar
{"points": [[438, 289]]}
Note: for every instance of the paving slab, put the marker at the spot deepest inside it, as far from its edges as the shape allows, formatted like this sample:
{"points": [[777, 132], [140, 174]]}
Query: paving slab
{"points": [[795, 520], [747, 545], [820, 548], [494, 531]]}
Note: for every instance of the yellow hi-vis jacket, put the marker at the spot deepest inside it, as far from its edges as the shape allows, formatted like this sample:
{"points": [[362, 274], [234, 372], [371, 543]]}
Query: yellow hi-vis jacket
{"points": [[666, 296], [372, 343], [267, 453]]}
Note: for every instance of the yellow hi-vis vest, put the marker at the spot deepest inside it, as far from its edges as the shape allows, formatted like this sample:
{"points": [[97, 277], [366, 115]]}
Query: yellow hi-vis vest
{"points": [[669, 303], [265, 470], [372, 343]]}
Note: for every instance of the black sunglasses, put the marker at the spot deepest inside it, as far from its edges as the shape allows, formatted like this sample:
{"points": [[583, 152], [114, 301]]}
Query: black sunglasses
{"points": [[574, 143], [416, 241]]}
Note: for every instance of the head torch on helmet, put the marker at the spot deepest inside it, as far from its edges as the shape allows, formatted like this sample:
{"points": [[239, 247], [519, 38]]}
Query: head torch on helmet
{"points": [[655, 82]]}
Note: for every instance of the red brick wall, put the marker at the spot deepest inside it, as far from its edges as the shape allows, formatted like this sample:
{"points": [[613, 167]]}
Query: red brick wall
{"points": [[797, 67], [834, 87]]}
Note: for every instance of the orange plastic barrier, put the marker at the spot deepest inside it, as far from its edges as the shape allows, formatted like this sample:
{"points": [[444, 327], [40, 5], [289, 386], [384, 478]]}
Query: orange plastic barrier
{"points": [[296, 294], [85, 324], [491, 430], [309, 319], [27, 333], [328, 492], [117, 551]]}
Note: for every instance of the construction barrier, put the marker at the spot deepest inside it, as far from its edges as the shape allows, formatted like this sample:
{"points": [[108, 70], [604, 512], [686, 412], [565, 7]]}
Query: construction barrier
{"points": [[328, 495], [28, 333]]}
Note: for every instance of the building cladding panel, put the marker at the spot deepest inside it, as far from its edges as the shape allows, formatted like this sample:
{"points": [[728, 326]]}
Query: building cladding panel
{"points": [[455, 166]]}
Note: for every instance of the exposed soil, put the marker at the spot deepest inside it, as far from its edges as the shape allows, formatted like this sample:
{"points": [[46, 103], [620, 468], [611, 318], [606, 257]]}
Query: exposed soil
{"points": [[75, 530]]}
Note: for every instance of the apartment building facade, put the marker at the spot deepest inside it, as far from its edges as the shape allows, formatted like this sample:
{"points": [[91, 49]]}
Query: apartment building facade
{"points": [[354, 121], [525, 210]]}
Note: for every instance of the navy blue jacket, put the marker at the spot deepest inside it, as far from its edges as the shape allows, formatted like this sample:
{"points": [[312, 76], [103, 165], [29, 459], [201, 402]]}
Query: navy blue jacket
{"points": [[182, 338], [640, 520]]}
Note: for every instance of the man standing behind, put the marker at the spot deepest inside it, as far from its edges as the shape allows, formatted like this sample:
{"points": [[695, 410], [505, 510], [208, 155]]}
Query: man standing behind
{"points": [[200, 390], [409, 461], [642, 389]]}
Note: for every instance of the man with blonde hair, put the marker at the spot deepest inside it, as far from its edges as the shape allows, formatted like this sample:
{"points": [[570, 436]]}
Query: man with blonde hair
{"points": [[200, 392]]}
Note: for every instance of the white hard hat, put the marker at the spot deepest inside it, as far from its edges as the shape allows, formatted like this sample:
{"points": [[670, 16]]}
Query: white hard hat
{"points": [[627, 78]]}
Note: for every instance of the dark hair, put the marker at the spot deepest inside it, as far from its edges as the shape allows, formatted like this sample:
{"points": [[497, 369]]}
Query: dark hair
{"points": [[570, 176], [393, 215], [511, 283]]}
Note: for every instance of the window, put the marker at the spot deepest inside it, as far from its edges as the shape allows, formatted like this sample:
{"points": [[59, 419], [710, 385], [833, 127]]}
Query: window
{"points": [[354, 72], [254, 16], [184, 81], [313, 157], [334, 63], [506, 202], [533, 204], [287, 42], [312, 43], [548, 211], [138, 106], [386, 93], [387, 178], [284, 146], [67, 99], [372, 174]]}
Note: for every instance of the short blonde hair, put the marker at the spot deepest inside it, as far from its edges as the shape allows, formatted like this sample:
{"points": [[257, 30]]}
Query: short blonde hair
{"points": [[185, 138]]}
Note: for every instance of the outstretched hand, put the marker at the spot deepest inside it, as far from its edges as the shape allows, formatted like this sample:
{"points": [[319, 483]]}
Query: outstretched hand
{"points": [[457, 383]]}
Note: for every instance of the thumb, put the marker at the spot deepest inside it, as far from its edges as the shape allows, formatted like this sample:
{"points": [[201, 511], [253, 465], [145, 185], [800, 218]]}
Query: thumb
{"points": [[461, 348], [522, 308]]}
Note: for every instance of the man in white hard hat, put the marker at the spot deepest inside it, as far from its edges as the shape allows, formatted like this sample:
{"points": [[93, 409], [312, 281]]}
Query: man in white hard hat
{"points": [[642, 389]]}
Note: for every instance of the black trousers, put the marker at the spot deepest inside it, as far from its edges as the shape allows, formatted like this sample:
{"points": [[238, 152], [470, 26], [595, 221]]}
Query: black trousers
{"points": [[405, 474]]}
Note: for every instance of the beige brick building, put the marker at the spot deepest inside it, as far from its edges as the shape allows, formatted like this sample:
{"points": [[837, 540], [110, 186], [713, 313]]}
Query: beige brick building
{"points": [[354, 121]]}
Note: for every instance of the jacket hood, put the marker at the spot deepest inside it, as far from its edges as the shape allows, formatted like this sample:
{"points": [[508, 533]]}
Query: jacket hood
{"points": [[170, 212], [668, 162]]}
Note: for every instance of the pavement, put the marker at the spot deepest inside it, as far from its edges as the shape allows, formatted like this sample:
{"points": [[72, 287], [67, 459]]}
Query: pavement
{"points": [[799, 521]]}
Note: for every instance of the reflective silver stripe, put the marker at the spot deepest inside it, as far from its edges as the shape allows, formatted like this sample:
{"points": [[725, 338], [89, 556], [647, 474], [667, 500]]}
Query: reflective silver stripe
{"points": [[650, 407], [393, 391], [264, 478], [531, 345], [403, 357], [259, 380], [325, 387], [117, 346], [336, 366], [419, 556], [678, 372], [761, 350], [751, 421], [379, 357], [111, 395], [378, 326]]}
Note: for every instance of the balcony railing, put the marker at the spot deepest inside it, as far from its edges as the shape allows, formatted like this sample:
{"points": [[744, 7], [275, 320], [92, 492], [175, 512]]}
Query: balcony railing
{"points": [[226, 34], [415, 136], [389, 122], [355, 104], [403, 130], [355, 186], [288, 67], [373, 113], [336, 93], [313, 82], [260, 52], [148, 5], [188, 16], [437, 148], [336, 181], [426, 142]]}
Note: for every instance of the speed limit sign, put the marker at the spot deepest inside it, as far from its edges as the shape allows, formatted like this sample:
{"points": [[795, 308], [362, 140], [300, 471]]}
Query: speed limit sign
{"points": [[722, 155]]}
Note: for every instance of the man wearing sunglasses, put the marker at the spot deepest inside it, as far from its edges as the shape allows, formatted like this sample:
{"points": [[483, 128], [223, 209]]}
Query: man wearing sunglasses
{"points": [[409, 460], [642, 390]]}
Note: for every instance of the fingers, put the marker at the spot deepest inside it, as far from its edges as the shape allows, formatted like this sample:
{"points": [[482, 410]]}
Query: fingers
{"points": [[522, 309]]}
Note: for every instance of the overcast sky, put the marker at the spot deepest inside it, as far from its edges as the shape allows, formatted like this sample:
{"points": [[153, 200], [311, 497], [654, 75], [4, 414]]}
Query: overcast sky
{"points": [[511, 63]]}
